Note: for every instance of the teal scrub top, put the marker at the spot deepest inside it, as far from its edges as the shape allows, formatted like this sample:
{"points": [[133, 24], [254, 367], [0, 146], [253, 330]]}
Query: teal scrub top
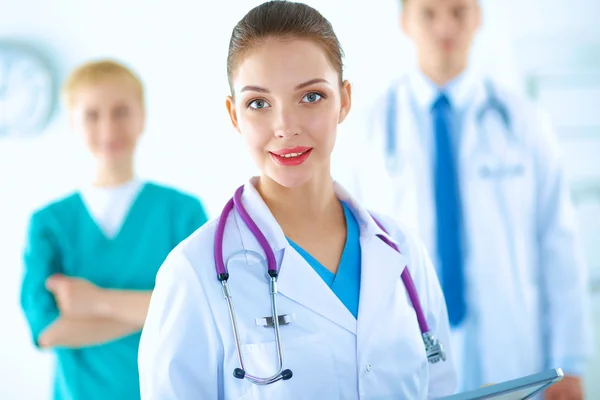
{"points": [[64, 238], [346, 283]]}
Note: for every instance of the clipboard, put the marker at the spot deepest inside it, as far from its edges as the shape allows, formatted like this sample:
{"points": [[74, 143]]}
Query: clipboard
{"points": [[517, 389]]}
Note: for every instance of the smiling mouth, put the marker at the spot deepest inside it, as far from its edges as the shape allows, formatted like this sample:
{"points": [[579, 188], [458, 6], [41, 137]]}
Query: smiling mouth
{"points": [[292, 159], [292, 155]]}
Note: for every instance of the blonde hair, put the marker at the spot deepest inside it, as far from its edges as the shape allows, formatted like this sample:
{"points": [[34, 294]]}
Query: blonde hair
{"points": [[95, 72]]}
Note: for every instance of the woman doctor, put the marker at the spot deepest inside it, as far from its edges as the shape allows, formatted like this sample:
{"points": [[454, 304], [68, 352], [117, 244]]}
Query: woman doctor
{"points": [[347, 328]]}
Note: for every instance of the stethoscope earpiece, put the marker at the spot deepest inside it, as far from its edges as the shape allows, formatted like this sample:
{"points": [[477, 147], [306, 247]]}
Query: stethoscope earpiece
{"points": [[241, 374], [286, 374]]}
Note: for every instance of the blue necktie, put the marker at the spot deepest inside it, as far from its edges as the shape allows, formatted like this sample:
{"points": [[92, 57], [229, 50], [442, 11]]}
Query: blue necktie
{"points": [[448, 212]]}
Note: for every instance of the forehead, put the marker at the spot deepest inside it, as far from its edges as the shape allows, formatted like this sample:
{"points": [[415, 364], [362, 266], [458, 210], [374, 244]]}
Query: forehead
{"points": [[106, 93], [441, 4], [281, 64]]}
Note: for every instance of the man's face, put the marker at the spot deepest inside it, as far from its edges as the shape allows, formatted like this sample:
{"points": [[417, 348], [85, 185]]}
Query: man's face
{"points": [[442, 30]]}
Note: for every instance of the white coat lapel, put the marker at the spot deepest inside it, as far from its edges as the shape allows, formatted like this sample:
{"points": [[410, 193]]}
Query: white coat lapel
{"points": [[381, 269], [299, 282]]}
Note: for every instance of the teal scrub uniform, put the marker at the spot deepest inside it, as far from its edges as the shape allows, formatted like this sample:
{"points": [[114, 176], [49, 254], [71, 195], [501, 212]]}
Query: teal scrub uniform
{"points": [[346, 283], [63, 238]]}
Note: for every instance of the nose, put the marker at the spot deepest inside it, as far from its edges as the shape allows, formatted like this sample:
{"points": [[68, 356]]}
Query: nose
{"points": [[286, 124], [445, 25], [107, 129]]}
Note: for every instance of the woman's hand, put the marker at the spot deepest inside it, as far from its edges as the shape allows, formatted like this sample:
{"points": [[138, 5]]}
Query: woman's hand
{"points": [[75, 297]]}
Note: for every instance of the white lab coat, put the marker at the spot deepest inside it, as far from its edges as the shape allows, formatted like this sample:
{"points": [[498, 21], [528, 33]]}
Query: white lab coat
{"points": [[187, 349], [525, 274]]}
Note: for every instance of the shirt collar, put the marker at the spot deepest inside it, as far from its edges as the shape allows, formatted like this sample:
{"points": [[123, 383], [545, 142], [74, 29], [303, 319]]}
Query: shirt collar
{"points": [[459, 90]]}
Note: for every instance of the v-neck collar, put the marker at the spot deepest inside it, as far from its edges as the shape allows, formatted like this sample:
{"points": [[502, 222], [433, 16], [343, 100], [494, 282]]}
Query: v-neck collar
{"points": [[325, 274], [127, 220], [352, 237]]}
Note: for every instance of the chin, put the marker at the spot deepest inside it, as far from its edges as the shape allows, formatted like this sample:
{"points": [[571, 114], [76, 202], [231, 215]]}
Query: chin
{"points": [[289, 179]]}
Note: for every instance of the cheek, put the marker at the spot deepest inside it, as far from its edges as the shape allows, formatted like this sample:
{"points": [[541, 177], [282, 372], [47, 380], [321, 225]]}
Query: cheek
{"points": [[323, 125], [89, 135], [255, 129], [130, 129]]}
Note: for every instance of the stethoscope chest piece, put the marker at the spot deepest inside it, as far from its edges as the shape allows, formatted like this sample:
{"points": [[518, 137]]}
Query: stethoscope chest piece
{"points": [[267, 322]]}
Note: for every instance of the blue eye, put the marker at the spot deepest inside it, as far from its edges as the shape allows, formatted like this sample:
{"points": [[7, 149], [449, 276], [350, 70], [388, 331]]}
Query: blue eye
{"points": [[258, 104], [312, 97]]}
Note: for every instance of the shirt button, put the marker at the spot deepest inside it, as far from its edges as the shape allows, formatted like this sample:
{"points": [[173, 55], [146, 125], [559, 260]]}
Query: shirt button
{"points": [[369, 368]]}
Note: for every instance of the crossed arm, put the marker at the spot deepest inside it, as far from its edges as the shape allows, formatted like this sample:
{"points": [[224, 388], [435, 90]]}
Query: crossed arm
{"points": [[90, 315]]}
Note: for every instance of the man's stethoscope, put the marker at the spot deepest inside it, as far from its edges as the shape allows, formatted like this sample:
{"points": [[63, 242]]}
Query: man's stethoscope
{"points": [[491, 105], [433, 348], [493, 169]]}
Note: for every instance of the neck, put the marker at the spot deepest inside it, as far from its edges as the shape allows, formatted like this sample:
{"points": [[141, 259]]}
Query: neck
{"points": [[441, 75], [312, 203], [113, 175]]}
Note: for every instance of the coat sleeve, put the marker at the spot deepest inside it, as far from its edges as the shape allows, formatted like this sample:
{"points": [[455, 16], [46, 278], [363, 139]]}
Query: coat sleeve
{"points": [[563, 269], [179, 348]]}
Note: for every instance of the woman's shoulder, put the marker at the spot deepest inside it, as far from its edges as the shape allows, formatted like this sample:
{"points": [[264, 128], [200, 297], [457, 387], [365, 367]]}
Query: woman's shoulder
{"points": [[404, 236], [178, 196], [55, 211], [409, 243]]}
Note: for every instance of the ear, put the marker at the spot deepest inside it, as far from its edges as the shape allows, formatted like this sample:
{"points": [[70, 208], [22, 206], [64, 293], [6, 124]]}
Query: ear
{"points": [[230, 104], [346, 103]]}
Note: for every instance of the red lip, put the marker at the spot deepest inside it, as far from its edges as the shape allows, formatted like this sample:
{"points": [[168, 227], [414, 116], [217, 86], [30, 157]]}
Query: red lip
{"points": [[279, 156], [297, 149]]}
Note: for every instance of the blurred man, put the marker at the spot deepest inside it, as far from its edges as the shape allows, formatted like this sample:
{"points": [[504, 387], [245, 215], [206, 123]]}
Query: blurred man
{"points": [[490, 200]]}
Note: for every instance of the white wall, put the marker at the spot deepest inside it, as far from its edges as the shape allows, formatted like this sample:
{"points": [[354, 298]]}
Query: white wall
{"points": [[180, 52]]}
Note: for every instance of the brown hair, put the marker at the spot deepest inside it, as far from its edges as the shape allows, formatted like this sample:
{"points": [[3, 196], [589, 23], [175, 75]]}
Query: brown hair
{"points": [[95, 72], [286, 20]]}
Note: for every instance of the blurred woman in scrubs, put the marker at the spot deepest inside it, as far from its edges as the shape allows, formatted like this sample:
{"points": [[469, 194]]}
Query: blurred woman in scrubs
{"points": [[91, 257]]}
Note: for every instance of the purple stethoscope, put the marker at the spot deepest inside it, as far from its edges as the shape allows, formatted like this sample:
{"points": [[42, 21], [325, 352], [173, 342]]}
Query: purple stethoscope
{"points": [[434, 349]]}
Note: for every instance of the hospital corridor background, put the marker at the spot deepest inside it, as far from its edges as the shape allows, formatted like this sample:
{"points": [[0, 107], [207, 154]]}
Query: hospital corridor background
{"points": [[548, 50]]}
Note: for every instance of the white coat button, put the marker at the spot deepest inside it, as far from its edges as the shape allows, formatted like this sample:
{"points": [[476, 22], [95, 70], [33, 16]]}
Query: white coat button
{"points": [[369, 367]]}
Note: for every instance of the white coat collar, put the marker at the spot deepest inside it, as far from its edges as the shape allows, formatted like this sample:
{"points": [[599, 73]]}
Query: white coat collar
{"points": [[460, 90], [380, 270], [263, 218]]}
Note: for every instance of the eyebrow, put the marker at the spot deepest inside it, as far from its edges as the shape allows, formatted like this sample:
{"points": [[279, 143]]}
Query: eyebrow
{"points": [[298, 87]]}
